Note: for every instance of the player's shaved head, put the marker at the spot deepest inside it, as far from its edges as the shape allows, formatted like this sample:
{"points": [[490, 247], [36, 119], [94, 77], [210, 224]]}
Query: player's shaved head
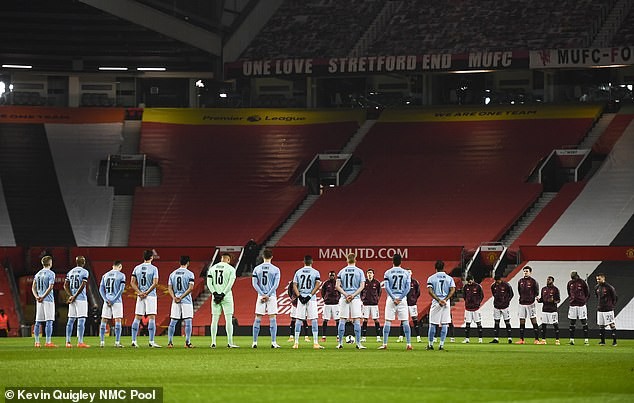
{"points": [[267, 253]]}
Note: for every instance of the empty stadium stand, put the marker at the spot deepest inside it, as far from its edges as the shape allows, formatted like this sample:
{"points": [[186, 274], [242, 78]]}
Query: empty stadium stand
{"points": [[224, 184], [77, 150], [313, 28], [608, 195], [7, 303], [435, 182], [31, 188], [6, 231], [471, 25]]}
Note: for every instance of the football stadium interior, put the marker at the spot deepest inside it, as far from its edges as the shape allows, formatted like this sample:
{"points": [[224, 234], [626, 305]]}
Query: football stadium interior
{"points": [[490, 135]]}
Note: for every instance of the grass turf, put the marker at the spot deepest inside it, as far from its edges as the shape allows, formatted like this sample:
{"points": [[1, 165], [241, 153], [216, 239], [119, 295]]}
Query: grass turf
{"points": [[475, 372]]}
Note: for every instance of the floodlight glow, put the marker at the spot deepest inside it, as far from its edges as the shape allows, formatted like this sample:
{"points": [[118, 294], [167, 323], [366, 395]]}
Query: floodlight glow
{"points": [[151, 68], [17, 66], [106, 68]]}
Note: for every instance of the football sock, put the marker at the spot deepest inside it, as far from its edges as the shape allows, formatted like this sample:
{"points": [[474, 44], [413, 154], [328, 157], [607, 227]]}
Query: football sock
{"points": [[69, 328], [49, 330], [543, 331], [364, 328], [496, 328], [556, 326], [273, 328], [614, 334], [416, 329], [357, 331], [305, 327], [408, 332], [341, 330], [443, 334], [522, 327], [81, 327], [508, 328], [401, 331], [431, 333], [467, 327], [214, 327], [386, 331], [102, 331], [315, 329], [602, 334], [151, 328], [135, 329], [117, 331], [171, 329], [298, 330], [188, 330], [229, 328], [256, 329], [585, 329], [36, 331], [479, 324], [536, 330], [292, 326], [324, 327], [571, 329], [377, 327]]}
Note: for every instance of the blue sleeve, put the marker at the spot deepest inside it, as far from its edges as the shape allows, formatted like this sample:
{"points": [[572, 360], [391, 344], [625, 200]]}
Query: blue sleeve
{"points": [[102, 290], [406, 287], [276, 284], [256, 284], [119, 292]]}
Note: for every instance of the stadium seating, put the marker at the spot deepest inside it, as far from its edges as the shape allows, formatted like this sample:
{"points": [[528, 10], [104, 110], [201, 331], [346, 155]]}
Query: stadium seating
{"points": [[7, 304], [468, 25], [6, 231], [313, 28], [625, 34], [608, 195], [226, 184], [549, 215], [77, 151], [436, 183]]}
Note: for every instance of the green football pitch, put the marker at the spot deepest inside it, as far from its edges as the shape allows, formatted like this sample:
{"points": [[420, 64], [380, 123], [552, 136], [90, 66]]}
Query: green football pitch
{"points": [[464, 372]]}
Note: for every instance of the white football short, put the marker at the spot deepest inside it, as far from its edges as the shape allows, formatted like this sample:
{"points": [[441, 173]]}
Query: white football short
{"points": [[331, 312], [501, 313], [44, 311], [370, 311], [145, 306], [527, 311], [182, 311], [78, 309], [605, 318], [396, 312], [439, 314], [112, 312], [266, 308], [472, 316], [349, 310], [308, 311], [413, 311], [550, 318], [578, 312]]}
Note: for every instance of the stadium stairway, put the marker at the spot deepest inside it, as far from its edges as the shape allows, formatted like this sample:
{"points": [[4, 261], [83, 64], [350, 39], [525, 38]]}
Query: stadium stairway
{"points": [[527, 219], [606, 203], [77, 150], [6, 230], [475, 169], [246, 191], [34, 200]]}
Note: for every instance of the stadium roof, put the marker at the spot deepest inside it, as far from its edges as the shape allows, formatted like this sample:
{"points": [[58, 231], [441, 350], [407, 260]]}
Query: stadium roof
{"points": [[83, 35]]}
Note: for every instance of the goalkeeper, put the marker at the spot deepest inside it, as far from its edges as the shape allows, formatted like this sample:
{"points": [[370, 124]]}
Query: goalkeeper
{"points": [[220, 279]]}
